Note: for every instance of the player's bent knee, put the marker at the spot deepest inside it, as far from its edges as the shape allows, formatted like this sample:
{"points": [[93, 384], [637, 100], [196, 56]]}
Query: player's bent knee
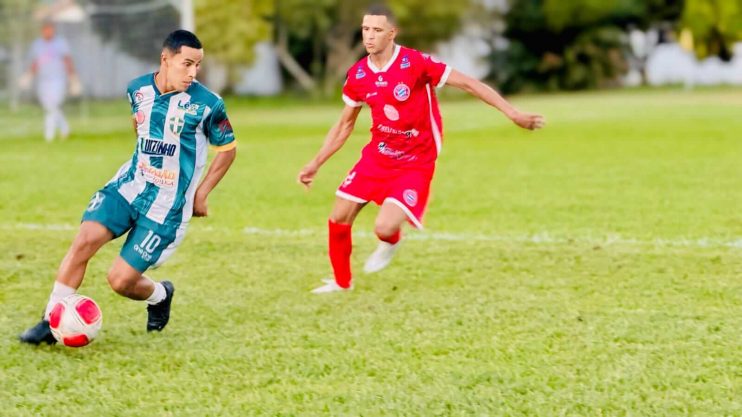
{"points": [[384, 229], [121, 282]]}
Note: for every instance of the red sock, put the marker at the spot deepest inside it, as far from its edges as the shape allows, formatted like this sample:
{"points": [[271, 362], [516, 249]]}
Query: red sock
{"points": [[393, 239], [341, 245]]}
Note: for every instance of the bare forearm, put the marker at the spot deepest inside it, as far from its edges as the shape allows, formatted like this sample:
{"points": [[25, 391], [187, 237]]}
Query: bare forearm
{"points": [[336, 138], [219, 166], [488, 95]]}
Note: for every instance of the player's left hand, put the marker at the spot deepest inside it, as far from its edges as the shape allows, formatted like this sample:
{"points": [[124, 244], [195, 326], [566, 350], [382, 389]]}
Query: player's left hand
{"points": [[75, 86], [200, 207], [306, 175], [529, 121]]}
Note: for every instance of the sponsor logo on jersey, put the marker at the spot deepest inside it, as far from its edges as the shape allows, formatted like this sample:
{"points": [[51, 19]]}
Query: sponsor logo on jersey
{"points": [[189, 108], [176, 124], [156, 147], [391, 113], [138, 97], [410, 197], [394, 153], [405, 62], [140, 117], [96, 201], [360, 73], [412, 133], [380, 82], [401, 92], [157, 176], [143, 253], [369, 95]]}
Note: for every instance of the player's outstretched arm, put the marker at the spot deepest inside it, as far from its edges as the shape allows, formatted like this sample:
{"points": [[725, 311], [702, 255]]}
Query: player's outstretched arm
{"points": [[219, 166], [335, 139], [487, 94]]}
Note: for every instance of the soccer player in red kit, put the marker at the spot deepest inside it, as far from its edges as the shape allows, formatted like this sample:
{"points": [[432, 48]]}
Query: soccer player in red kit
{"points": [[397, 166]]}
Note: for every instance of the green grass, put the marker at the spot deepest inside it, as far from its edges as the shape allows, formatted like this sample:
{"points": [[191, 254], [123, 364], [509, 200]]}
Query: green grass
{"points": [[590, 269]]}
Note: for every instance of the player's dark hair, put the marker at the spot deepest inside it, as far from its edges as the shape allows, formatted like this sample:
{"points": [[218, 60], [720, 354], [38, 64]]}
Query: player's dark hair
{"points": [[380, 9], [179, 39]]}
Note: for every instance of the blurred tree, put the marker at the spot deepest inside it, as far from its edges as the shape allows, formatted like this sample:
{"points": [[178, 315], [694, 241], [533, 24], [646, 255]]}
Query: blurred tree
{"points": [[715, 24], [17, 31], [571, 45], [320, 39], [229, 29]]}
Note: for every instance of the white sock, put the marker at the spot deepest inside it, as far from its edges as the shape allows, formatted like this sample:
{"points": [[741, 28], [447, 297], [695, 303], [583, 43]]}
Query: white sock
{"points": [[58, 293], [158, 294]]}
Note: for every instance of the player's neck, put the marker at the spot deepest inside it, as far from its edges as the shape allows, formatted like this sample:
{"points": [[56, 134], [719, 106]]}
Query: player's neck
{"points": [[161, 83], [382, 58]]}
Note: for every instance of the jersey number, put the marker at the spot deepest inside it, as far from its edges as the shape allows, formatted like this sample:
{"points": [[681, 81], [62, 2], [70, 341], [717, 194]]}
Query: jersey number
{"points": [[150, 242]]}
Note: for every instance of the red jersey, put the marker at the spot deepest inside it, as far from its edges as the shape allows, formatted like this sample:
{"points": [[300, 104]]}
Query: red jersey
{"points": [[407, 126]]}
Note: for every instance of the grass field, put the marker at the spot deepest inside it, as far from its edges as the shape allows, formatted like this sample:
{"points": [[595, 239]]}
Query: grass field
{"points": [[590, 269]]}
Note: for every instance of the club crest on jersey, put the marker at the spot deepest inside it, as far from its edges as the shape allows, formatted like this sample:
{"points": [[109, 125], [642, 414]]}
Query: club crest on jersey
{"points": [[176, 124], [410, 197], [96, 201], [405, 62], [380, 82], [402, 92], [391, 113], [360, 73]]}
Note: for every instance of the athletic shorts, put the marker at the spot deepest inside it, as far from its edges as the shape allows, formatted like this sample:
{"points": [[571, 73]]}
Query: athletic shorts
{"points": [[148, 243], [407, 188]]}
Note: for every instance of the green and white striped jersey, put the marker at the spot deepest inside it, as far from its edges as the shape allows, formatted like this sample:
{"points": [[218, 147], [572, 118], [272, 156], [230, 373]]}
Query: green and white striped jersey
{"points": [[173, 133]]}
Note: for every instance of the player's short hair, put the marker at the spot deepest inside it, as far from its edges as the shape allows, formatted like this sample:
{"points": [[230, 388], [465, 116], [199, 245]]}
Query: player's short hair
{"points": [[180, 38], [380, 9]]}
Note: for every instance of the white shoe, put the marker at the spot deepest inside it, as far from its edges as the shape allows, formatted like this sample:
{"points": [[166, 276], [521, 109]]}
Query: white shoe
{"points": [[381, 257], [330, 286]]}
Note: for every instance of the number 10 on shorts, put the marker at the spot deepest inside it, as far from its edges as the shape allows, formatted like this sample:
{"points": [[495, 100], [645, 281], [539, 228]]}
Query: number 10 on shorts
{"points": [[150, 242]]}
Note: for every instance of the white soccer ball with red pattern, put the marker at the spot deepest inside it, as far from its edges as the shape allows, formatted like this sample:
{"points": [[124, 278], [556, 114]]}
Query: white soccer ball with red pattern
{"points": [[75, 321]]}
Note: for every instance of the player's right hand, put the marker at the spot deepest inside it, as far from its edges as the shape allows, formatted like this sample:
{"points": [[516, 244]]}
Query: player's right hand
{"points": [[306, 175], [529, 121], [75, 86]]}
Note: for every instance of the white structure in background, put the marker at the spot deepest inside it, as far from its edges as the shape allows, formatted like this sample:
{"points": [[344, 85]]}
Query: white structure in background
{"points": [[468, 50], [263, 78], [671, 64], [105, 69]]}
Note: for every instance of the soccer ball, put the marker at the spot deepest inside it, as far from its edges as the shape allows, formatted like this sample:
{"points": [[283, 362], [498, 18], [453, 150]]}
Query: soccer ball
{"points": [[75, 321]]}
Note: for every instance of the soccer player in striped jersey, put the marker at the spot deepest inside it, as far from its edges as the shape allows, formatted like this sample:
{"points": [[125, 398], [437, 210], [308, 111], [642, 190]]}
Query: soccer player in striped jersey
{"points": [[153, 195], [396, 167]]}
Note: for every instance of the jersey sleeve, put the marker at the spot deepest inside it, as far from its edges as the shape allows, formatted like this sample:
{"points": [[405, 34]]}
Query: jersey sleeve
{"points": [[218, 129], [351, 96], [130, 97], [434, 71]]}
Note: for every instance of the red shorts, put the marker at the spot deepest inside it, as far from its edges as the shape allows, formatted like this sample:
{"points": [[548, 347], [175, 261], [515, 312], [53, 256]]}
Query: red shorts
{"points": [[408, 188]]}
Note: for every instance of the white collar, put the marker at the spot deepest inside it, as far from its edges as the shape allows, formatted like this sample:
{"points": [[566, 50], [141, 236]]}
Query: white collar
{"points": [[388, 64]]}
